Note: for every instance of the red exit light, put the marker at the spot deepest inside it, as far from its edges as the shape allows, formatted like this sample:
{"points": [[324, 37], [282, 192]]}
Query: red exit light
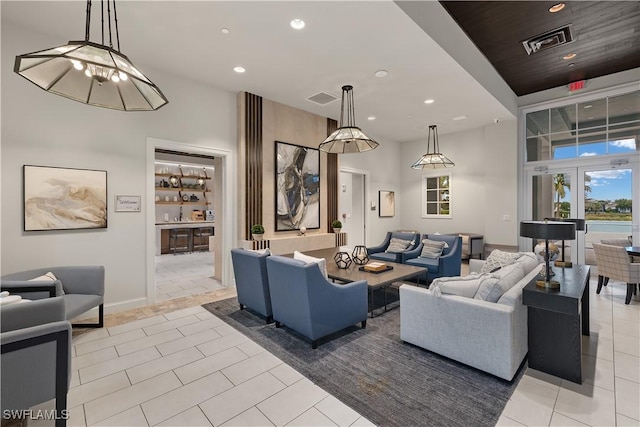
{"points": [[573, 86]]}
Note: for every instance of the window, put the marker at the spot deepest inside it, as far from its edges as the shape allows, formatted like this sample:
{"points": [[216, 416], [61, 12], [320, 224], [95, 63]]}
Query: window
{"points": [[594, 128], [436, 196]]}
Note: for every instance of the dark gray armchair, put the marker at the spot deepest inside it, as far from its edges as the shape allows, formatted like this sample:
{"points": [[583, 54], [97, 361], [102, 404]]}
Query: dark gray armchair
{"points": [[83, 288], [252, 283], [36, 355]]}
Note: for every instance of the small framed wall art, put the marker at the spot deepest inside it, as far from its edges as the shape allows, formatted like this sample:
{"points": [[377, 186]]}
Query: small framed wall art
{"points": [[63, 198], [128, 203], [386, 203]]}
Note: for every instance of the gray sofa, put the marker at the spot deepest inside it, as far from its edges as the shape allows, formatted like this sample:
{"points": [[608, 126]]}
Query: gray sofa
{"points": [[81, 288], [490, 336]]}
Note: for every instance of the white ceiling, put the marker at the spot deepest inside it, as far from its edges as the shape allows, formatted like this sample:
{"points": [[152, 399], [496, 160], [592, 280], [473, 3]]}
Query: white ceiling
{"points": [[342, 43]]}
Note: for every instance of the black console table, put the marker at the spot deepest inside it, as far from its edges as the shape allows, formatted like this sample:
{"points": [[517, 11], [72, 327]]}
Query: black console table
{"points": [[557, 318]]}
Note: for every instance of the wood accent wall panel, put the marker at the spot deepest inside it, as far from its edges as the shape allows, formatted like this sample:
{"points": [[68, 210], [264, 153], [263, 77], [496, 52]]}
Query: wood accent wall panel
{"points": [[332, 179], [253, 159]]}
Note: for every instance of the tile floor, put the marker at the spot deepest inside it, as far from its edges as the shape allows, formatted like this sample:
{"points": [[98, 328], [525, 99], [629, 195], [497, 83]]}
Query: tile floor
{"points": [[176, 364], [184, 274]]}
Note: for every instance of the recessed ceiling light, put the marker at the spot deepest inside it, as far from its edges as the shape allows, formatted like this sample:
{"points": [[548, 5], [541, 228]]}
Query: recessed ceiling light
{"points": [[297, 24], [381, 73], [224, 30], [429, 101], [590, 118], [557, 7], [460, 118], [571, 65], [588, 106], [569, 56], [239, 69], [371, 118]]}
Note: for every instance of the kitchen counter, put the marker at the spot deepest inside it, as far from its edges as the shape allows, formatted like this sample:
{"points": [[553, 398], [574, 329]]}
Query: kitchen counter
{"points": [[162, 226]]}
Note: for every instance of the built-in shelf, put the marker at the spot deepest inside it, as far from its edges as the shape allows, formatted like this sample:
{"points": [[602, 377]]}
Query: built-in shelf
{"points": [[171, 202], [169, 175]]}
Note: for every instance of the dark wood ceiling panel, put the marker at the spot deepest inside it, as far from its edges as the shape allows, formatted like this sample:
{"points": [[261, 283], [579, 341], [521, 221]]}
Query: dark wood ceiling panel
{"points": [[606, 39]]}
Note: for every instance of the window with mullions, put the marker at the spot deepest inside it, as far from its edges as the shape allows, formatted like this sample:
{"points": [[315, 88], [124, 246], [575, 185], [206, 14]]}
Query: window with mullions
{"points": [[436, 196], [595, 128]]}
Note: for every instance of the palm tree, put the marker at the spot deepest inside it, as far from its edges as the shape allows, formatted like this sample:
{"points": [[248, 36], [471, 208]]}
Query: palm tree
{"points": [[559, 184]]}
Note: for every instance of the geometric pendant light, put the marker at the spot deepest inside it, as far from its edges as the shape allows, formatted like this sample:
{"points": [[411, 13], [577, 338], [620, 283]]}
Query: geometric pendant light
{"points": [[92, 73], [433, 159], [348, 138]]}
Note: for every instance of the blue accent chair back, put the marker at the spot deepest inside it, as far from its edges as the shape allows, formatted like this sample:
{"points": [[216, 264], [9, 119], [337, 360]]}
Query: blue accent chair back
{"points": [[378, 252], [252, 281], [305, 301], [447, 265]]}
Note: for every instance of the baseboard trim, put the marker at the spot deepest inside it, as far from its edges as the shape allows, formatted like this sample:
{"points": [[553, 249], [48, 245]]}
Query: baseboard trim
{"points": [[112, 308]]}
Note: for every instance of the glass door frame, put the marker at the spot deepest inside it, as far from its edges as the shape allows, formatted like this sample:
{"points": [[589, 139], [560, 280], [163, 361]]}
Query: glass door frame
{"points": [[576, 169]]}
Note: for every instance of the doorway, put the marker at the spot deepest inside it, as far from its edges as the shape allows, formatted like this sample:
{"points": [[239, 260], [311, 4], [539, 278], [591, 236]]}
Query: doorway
{"points": [[217, 256], [352, 204], [602, 193]]}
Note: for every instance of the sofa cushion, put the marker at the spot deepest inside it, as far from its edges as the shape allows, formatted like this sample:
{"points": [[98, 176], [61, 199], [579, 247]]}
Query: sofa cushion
{"points": [[398, 245], [514, 295], [498, 258], [504, 279], [528, 261], [432, 248], [466, 286], [50, 277], [322, 263]]}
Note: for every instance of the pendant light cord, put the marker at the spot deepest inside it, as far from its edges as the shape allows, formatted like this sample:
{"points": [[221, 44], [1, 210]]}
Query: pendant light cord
{"points": [[102, 15], [109, 18], [115, 19]]}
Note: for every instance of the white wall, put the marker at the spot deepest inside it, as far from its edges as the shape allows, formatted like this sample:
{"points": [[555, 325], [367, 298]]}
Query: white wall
{"points": [[483, 184], [44, 129], [351, 204], [382, 165]]}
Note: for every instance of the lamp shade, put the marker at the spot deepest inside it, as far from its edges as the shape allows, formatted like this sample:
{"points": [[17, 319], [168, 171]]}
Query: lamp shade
{"points": [[548, 230], [580, 223], [92, 73], [348, 138]]}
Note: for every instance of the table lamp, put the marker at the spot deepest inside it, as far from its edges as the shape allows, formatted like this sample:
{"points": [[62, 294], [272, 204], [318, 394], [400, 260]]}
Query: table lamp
{"points": [[581, 225], [554, 230]]}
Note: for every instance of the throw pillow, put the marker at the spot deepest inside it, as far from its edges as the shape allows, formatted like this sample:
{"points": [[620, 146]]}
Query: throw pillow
{"points": [[50, 277], [432, 248], [322, 263], [498, 258], [466, 286], [499, 282], [398, 245]]}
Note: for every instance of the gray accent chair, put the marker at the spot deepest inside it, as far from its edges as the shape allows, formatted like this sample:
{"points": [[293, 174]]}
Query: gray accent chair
{"points": [[614, 263], [36, 355], [305, 301], [446, 265], [83, 289], [252, 282], [379, 252]]}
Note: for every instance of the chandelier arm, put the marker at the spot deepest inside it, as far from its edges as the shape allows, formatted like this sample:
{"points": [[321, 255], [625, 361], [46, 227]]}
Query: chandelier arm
{"points": [[124, 105], [88, 21], [352, 109], [436, 142], [342, 110], [109, 19], [93, 81], [115, 18], [102, 15]]}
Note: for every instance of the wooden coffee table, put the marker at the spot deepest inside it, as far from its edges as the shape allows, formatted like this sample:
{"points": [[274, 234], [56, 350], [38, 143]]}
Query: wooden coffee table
{"points": [[375, 281]]}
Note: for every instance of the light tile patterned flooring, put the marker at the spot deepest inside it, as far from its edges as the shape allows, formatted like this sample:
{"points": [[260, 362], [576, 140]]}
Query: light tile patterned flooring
{"points": [[176, 364], [184, 274]]}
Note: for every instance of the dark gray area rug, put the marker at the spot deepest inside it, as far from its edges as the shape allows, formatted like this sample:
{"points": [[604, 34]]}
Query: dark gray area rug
{"points": [[389, 382]]}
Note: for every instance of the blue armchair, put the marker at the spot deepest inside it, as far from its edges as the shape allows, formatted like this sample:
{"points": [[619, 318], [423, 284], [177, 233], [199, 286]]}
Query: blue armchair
{"points": [[378, 252], [252, 282], [447, 265], [305, 301], [36, 356]]}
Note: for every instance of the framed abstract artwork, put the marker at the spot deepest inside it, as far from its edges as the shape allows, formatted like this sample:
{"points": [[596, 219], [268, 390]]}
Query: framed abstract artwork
{"points": [[297, 180], [63, 198], [386, 203]]}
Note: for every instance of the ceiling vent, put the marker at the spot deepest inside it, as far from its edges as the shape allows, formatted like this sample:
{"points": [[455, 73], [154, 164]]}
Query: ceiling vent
{"points": [[550, 39], [322, 98]]}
